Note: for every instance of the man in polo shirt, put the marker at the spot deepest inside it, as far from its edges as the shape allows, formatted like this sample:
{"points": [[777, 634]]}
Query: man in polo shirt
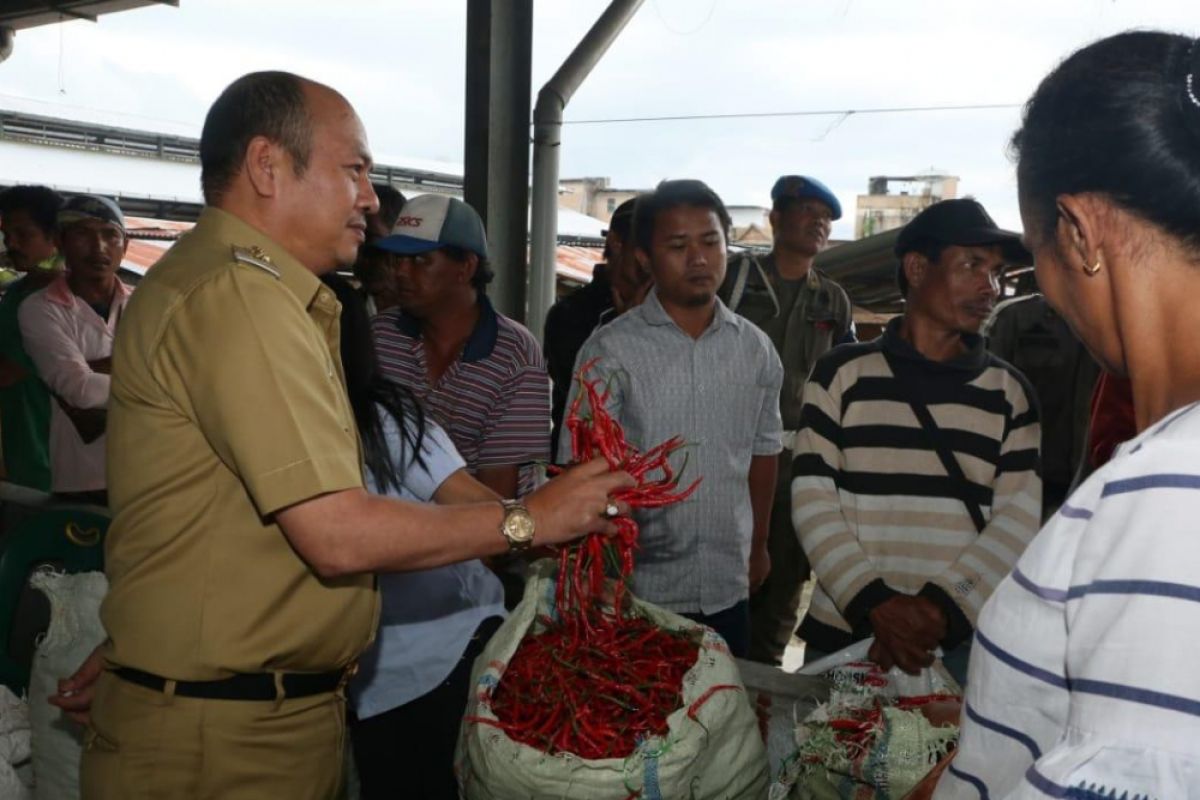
{"points": [[68, 330], [805, 314], [916, 469], [682, 364], [242, 554], [480, 375]]}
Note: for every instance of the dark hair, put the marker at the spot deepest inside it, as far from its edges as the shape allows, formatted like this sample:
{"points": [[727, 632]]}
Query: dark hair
{"points": [[41, 203], [269, 104], [483, 272], [368, 390], [672, 194], [390, 203], [1116, 118], [930, 248]]}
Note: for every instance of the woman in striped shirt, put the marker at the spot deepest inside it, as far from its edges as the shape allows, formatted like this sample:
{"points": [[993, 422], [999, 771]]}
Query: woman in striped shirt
{"points": [[1083, 681]]}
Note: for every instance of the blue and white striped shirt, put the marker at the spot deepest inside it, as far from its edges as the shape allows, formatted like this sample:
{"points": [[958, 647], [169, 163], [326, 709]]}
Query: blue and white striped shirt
{"points": [[1084, 680]]}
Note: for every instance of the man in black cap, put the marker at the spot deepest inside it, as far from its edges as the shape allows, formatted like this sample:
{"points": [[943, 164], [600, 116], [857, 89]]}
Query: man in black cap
{"points": [[917, 482], [618, 284], [804, 313]]}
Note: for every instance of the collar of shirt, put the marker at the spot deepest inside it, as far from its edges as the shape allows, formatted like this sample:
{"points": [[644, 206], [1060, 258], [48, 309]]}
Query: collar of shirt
{"points": [[811, 278], [971, 362], [60, 292], [653, 312], [299, 279], [480, 343]]}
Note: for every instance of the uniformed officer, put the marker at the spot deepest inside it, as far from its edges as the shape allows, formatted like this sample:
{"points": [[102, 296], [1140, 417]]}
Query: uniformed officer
{"points": [[805, 314], [241, 552]]}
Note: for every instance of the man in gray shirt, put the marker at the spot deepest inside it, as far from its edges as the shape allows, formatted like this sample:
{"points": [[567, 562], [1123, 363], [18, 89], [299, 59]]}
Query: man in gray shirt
{"points": [[682, 364]]}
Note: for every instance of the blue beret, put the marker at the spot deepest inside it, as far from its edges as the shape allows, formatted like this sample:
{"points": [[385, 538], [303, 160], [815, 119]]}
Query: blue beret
{"points": [[803, 187]]}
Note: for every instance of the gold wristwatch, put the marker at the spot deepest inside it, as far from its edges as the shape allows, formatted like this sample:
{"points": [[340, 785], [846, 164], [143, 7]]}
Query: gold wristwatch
{"points": [[517, 527]]}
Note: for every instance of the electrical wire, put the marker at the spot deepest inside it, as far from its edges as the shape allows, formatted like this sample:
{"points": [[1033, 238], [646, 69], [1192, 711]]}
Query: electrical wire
{"points": [[842, 112]]}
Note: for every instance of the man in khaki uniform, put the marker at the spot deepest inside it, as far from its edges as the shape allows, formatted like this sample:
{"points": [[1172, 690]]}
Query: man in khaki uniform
{"points": [[805, 314], [243, 541]]}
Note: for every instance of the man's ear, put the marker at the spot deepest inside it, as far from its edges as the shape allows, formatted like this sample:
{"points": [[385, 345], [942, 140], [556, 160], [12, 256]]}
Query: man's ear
{"points": [[643, 260], [469, 267], [262, 164], [916, 267]]}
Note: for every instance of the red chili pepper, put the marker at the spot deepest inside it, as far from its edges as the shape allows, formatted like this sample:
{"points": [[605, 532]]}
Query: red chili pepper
{"points": [[597, 680]]}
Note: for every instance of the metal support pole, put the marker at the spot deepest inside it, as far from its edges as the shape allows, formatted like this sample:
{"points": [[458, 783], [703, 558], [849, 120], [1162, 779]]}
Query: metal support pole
{"points": [[508, 153], [476, 106], [547, 138]]}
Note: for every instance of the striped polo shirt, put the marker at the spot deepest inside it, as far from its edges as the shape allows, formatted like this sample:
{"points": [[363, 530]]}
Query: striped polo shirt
{"points": [[875, 509], [494, 401], [1083, 681]]}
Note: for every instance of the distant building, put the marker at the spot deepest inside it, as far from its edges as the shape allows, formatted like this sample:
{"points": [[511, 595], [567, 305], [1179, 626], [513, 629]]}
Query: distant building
{"points": [[891, 202], [593, 196], [751, 226]]}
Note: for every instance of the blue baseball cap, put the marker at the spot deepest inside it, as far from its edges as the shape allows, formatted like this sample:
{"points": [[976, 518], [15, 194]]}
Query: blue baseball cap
{"points": [[802, 187], [433, 221]]}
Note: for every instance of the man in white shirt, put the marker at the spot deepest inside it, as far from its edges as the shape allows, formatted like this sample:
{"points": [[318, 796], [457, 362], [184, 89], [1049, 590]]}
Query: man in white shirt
{"points": [[68, 331]]}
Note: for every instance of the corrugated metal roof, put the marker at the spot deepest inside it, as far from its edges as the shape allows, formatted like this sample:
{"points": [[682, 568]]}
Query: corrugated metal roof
{"points": [[149, 238]]}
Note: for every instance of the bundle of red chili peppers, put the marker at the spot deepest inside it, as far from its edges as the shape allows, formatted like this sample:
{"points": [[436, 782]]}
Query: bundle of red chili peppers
{"points": [[598, 679]]}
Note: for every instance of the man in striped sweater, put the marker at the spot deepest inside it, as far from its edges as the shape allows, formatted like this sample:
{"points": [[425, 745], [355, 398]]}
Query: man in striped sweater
{"points": [[916, 470]]}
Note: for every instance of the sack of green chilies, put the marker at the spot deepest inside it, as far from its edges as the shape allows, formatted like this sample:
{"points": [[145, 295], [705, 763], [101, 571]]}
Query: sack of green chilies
{"points": [[715, 752]]}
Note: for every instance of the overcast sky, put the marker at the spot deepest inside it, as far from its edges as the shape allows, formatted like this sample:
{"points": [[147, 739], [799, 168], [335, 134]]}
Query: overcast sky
{"points": [[401, 64]]}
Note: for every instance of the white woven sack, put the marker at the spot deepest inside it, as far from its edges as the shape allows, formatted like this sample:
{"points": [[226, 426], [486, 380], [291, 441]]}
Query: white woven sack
{"points": [[74, 632], [719, 757], [14, 746]]}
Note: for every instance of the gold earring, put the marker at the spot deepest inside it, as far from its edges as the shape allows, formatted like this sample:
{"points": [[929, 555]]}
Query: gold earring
{"points": [[1092, 269]]}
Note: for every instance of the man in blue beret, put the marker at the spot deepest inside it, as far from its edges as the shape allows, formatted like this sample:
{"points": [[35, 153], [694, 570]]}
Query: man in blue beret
{"points": [[805, 314]]}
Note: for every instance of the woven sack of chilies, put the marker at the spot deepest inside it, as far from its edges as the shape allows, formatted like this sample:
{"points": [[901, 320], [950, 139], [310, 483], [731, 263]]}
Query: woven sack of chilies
{"points": [[710, 746], [585, 691], [876, 738]]}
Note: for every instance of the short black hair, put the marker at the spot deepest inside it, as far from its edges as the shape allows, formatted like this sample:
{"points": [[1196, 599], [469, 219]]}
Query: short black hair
{"points": [[270, 104], [1117, 118], [672, 194], [930, 248], [391, 200], [483, 272], [41, 203]]}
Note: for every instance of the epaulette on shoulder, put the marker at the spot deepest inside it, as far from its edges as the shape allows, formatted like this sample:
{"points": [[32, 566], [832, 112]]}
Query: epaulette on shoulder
{"points": [[254, 256]]}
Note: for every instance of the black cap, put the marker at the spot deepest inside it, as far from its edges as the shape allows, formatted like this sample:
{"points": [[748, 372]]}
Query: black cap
{"points": [[963, 222]]}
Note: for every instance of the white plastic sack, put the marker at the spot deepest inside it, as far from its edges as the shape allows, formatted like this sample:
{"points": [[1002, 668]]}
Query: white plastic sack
{"points": [[14, 746], [780, 700], [721, 757], [74, 632]]}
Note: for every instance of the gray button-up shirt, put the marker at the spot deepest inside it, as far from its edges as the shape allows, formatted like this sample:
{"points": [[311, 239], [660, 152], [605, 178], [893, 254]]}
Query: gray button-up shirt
{"points": [[720, 392]]}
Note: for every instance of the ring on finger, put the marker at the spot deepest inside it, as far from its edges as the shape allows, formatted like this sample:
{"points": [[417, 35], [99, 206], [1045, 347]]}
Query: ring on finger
{"points": [[611, 510]]}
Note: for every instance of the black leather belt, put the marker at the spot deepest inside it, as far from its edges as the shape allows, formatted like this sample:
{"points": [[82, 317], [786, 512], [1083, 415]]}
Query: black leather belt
{"points": [[244, 686]]}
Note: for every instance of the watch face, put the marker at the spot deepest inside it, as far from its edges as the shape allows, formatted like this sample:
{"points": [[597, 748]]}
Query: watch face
{"points": [[519, 526]]}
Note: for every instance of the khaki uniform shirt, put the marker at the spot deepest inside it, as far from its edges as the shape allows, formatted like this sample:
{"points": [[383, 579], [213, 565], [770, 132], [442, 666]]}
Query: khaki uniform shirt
{"points": [[227, 405], [818, 318]]}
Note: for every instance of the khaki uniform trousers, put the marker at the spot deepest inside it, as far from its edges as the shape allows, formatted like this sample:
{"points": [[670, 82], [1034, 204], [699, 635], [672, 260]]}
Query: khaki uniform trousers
{"points": [[143, 744]]}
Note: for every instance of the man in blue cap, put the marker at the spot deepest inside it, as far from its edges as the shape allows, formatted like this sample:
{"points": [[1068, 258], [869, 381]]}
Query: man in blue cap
{"points": [[805, 314]]}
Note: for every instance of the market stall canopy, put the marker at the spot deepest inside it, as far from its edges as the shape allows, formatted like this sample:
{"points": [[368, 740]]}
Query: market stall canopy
{"points": [[21, 14], [866, 269]]}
